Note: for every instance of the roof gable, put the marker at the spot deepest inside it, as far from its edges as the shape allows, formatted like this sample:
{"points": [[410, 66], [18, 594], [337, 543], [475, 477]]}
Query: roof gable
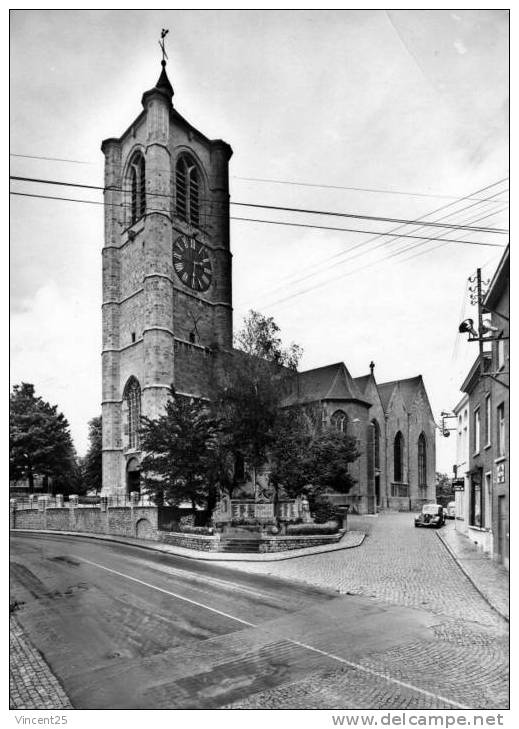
{"points": [[408, 389], [332, 382]]}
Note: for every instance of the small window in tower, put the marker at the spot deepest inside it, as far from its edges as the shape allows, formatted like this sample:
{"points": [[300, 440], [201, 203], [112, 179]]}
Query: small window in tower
{"points": [[192, 337], [133, 336], [137, 187]]}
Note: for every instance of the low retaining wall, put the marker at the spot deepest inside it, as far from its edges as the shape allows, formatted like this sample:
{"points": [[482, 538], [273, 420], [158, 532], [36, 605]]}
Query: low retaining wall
{"points": [[145, 522], [201, 542], [124, 521], [284, 543]]}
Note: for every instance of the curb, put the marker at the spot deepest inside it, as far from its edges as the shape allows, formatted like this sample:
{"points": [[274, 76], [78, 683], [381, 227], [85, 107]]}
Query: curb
{"points": [[483, 594], [205, 556]]}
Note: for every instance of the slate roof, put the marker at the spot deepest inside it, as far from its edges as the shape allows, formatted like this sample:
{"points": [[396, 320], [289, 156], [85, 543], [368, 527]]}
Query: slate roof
{"points": [[408, 389], [332, 382], [362, 382]]}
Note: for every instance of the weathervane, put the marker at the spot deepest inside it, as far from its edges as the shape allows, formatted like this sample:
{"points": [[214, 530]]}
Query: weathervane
{"points": [[163, 34]]}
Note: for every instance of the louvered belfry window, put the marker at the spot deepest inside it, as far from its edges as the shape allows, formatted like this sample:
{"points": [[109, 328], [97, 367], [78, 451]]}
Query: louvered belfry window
{"points": [[188, 191], [138, 187]]}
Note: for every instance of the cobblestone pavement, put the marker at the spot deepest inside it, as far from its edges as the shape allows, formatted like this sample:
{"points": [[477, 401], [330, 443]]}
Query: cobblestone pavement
{"points": [[490, 578], [32, 685], [397, 564], [401, 565]]}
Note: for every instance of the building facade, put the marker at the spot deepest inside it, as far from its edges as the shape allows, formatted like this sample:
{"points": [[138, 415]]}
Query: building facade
{"points": [[462, 466], [484, 429], [167, 315]]}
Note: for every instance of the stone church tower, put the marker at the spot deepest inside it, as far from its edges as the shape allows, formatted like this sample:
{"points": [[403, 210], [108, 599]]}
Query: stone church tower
{"points": [[167, 288]]}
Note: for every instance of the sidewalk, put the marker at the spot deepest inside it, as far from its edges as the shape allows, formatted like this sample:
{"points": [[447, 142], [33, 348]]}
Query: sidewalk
{"points": [[32, 685], [489, 578]]}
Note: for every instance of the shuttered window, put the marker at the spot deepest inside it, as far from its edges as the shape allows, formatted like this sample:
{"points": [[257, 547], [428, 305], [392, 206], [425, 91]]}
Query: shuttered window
{"points": [[187, 191]]}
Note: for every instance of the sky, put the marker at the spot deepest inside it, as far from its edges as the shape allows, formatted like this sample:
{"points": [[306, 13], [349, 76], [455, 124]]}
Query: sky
{"points": [[409, 107]]}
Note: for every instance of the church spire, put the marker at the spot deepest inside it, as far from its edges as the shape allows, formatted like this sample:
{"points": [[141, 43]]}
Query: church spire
{"points": [[163, 84]]}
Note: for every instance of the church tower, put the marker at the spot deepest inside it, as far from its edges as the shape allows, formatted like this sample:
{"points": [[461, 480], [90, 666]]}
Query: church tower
{"points": [[167, 286]]}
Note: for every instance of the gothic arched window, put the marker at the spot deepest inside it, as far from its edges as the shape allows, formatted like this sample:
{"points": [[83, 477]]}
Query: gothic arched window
{"points": [[422, 460], [132, 398], [138, 187], [339, 421], [398, 458], [376, 444], [188, 190]]}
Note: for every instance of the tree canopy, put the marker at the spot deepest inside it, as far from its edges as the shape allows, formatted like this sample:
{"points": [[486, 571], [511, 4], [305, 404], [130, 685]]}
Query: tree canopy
{"points": [[93, 461], [307, 459], [180, 462], [250, 390], [40, 442]]}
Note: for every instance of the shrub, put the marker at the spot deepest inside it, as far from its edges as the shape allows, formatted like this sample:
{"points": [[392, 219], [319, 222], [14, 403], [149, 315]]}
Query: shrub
{"points": [[323, 511], [189, 529], [329, 527]]}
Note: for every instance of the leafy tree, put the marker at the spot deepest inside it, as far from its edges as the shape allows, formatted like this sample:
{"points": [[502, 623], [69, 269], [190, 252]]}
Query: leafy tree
{"points": [[180, 462], [93, 461], [308, 459], [250, 390], [444, 489], [40, 441], [259, 338]]}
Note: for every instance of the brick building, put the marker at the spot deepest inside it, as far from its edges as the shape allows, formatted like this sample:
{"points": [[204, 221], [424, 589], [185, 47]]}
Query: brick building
{"points": [[483, 424], [167, 314]]}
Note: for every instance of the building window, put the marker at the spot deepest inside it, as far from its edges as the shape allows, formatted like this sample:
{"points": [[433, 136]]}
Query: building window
{"points": [[188, 191], [477, 431], [398, 457], [138, 187], [477, 502], [422, 460], [488, 419], [500, 354], [501, 431], [339, 421], [132, 398], [376, 444]]}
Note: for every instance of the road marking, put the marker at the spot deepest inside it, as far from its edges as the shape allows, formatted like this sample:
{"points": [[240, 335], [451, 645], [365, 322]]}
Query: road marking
{"points": [[334, 657], [384, 676], [167, 592]]}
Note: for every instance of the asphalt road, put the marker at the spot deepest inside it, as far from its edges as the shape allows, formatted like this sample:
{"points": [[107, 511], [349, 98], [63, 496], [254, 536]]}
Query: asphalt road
{"points": [[127, 628]]}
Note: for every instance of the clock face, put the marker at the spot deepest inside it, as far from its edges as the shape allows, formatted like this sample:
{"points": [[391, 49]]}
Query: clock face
{"points": [[192, 263]]}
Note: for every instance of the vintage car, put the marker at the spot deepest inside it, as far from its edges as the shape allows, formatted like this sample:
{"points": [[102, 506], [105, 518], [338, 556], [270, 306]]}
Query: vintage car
{"points": [[451, 510], [432, 515]]}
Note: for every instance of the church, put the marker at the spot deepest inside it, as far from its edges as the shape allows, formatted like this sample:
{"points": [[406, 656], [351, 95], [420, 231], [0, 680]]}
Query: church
{"points": [[167, 315]]}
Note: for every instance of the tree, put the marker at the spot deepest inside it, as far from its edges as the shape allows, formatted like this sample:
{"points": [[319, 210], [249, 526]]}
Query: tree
{"points": [[39, 441], [250, 391], [93, 461], [180, 462], [308, 459], [444, 489], [259, 338]]}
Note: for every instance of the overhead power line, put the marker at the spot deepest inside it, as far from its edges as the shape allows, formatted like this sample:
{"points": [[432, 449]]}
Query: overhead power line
{"points": [[279, 208], [296, 183], [393, 235], [390, 255], [322, 186], [50, 159], [271, 222]]}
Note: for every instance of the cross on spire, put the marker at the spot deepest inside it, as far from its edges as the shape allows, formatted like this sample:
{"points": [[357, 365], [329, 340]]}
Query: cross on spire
{"points": [[162, 42]]}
